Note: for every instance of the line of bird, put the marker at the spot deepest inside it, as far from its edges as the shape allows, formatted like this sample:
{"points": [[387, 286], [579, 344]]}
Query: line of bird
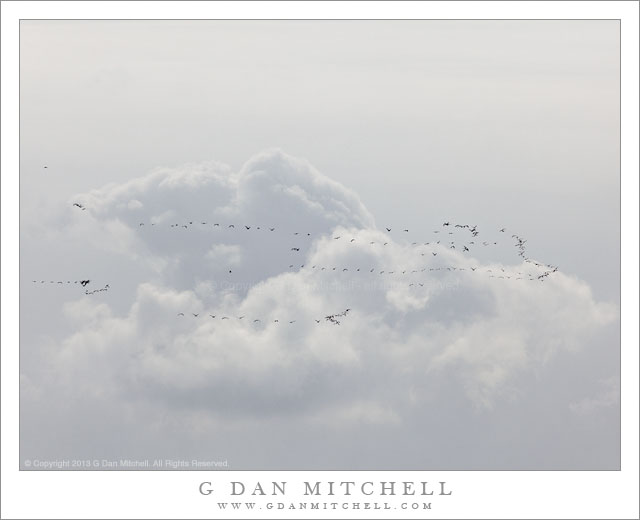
{"points": [[103, 289], [507, 274], [331, 318], [471, 228], [81, 282]]}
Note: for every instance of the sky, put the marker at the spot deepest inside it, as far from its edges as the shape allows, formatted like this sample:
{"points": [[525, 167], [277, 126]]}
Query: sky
{"points": [[327, 129]]}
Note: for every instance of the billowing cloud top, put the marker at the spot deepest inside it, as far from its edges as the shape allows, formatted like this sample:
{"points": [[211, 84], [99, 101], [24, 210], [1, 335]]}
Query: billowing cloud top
{"points": [[218, 316]]}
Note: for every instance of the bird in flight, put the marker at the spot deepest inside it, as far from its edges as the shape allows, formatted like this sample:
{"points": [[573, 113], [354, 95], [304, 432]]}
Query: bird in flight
{"points": [[465, 248], [445, 224], [231, 225], [212, 315], [225, 318], [295, 249], [405, 230], [336, 238], [434, 254], [248, 227], [503, 230], [272, 229], [79, 206], [84, 282], [353, 240], [256, 321], [195, 315], [181, 314], [388, 229]]}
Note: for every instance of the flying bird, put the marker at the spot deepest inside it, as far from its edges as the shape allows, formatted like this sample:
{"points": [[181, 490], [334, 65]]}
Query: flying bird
{"points": [[79, 206], [181, 314], [295, 249], [388, 229], [248, 227]]}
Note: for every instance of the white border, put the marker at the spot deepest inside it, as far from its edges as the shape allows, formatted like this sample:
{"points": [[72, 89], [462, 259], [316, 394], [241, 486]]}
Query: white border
{"points": [[175, 495]]}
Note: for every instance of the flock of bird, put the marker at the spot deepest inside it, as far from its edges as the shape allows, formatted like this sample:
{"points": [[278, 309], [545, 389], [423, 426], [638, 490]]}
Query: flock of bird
{"points": [[81, 282], [435, 245], [331, 318]]}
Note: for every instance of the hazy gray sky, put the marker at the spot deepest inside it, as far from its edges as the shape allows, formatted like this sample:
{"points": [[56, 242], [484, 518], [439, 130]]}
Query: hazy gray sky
{"points": [[404, 124]]}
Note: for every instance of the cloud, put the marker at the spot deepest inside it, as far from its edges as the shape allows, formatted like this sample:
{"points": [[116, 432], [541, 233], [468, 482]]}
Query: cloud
{"points": [[418, 324]]}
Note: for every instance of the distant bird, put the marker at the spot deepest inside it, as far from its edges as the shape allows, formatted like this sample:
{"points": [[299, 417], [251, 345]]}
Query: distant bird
{"points": [[240, 317], [216, 225], [503, 230], [445, 224], [224, 318], [434, 254], [388, 229], [371, 243], [256, 321], [465, 248], [295, 249], [181, 314], [141, 224], [79, 206], [276, 321], [45, 166], [84, 282], [292, 321], [345, 269], [296, 233], [212, 315], [272, 229], [405, 230], [229, 270], [248, 227], [195, 315], [336, 238], [385, 243], [231, 225], [352, 240], [317, 321], [290, 266]]}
